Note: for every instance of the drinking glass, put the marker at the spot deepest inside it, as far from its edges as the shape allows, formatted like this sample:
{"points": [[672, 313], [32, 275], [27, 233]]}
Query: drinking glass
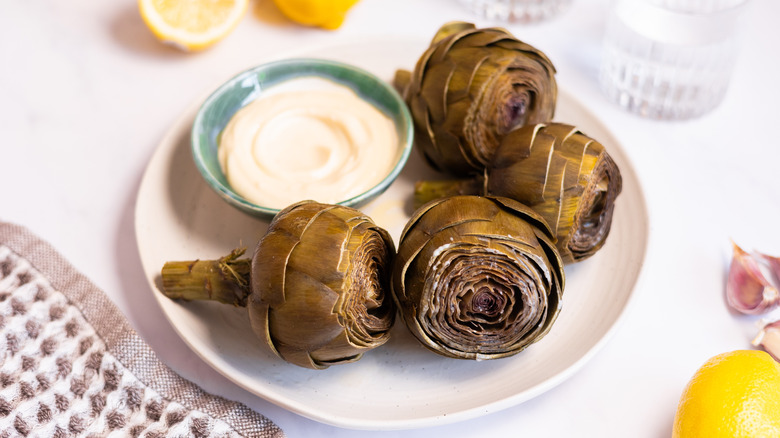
{"points": [[670, 59], [519, 11]]}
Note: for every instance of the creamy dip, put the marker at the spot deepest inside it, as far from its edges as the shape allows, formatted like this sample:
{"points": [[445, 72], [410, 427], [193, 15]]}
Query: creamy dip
{"points": [[307, 138]]}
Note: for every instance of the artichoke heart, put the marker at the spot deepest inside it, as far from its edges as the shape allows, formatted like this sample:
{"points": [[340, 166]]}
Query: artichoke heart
{"points": [[317, 288], [477, 277], [561, 173], [470, 88]]}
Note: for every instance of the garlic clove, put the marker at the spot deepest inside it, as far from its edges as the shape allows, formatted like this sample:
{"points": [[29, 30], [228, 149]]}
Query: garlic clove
{"points": [[769, 339], [747, 290]]}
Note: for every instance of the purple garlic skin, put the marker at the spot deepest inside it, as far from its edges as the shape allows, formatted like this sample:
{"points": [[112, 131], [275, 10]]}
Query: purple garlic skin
{"points": [[747, 289], [774, 266]]}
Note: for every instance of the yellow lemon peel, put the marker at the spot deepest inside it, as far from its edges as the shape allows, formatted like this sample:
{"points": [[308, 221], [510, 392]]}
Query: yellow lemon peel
{"points": [[327, 14], [734, 394]]}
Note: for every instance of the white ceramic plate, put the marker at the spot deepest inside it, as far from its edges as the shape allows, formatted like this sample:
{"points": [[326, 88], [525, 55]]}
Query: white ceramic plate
{"points": [[401, 384]]}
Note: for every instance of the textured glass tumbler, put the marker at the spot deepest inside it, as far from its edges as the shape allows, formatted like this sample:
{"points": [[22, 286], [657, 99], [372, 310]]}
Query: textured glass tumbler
{"points": [[670, 59], [518, 11]]}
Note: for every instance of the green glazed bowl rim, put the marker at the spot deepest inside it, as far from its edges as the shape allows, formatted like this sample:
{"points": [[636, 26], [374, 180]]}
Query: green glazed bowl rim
{"points": [[367, 85]]}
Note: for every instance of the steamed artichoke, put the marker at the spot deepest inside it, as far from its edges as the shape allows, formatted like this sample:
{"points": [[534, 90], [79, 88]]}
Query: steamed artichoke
{"points": [[470, 88], [317, 288], [562, 174], [477, 277]]}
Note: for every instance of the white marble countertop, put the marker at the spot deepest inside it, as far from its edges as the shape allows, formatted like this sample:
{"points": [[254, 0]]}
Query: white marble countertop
{"points": [[86, 94]]}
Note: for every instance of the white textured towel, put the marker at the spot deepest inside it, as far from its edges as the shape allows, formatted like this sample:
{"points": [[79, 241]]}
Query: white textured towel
{"points": [[71, 365]]}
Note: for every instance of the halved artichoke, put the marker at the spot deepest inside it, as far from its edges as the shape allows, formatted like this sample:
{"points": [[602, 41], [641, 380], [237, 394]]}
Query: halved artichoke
{"points": [[317, 288], [470, 88], [477, 277], [561, 173]]}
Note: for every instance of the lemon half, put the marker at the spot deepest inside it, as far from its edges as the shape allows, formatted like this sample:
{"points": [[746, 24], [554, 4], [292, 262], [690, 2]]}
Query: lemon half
{"points": [[192, 24]]}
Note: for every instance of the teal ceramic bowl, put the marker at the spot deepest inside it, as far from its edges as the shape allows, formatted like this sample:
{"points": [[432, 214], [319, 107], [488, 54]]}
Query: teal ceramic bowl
{"points": [[247, 86]]}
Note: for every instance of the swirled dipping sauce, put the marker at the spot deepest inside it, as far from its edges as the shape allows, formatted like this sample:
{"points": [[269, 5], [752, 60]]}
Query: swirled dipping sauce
{"points": [[307, 138]]}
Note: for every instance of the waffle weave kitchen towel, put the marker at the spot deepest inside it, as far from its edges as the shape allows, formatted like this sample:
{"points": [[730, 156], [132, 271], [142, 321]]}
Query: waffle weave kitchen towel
{"points": [[71, 365]]}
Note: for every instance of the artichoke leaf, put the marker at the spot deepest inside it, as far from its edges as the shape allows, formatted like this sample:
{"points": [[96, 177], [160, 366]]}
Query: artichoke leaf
{"points": [[270, 276], [451, 28]]}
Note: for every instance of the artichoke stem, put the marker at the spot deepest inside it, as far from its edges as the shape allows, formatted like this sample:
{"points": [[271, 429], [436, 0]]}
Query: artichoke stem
{"points": [[225, 280], [426, 191]]}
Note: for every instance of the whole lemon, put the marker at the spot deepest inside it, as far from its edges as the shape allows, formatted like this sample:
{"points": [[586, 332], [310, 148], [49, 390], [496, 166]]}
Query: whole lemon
{"points": [[327, 14], [734, 394]]}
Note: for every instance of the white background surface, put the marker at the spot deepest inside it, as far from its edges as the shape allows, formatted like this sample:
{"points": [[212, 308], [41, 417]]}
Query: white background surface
{"points": [[86, 94]]}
